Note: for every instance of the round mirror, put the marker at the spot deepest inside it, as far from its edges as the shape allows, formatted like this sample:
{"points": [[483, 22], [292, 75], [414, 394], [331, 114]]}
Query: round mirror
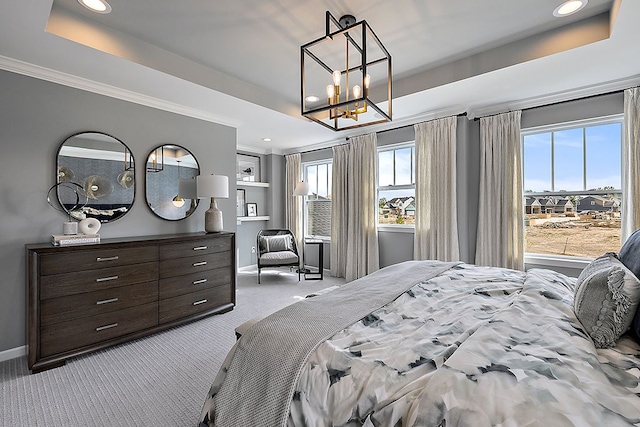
{"points": [[171, 182], [102, 167]]}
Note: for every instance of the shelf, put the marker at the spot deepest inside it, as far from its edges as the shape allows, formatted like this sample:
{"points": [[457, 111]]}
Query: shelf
{"points": [[242, 219], [252, 184]]}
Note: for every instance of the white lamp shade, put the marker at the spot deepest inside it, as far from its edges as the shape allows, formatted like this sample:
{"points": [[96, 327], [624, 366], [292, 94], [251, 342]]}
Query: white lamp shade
{"points": [[212, 186], [187, 188], [302, 189]]}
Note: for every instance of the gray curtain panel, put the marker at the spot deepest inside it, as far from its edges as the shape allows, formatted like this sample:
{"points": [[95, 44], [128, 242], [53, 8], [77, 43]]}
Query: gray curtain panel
{"points": [[293, 205]]}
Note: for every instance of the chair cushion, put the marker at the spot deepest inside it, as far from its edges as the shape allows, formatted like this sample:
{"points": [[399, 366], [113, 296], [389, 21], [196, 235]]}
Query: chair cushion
{"points": [[276, 243], [606, 297], [278, 258]]}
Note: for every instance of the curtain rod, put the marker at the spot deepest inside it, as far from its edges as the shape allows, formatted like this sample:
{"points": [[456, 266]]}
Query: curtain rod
{"points": [[381, 131], [558, 102]]}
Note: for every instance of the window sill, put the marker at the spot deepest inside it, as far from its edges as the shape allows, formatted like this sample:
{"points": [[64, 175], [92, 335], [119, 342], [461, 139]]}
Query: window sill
{"points": [[556, 260], [387, 228]]}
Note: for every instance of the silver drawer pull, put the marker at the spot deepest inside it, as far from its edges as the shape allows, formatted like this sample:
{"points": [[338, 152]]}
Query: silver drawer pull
{"points": [[111, 258], [106, 301], [202, 301], [200, 248], [106, 279], [102, 328], [198, 264], [197, 282]]}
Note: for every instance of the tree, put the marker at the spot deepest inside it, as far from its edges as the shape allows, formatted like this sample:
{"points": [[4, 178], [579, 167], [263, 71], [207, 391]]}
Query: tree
{"points": [[382, 202]]}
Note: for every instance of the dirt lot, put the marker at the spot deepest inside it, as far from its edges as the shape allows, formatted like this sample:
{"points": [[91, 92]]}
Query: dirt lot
{"points": [[577, 241]]}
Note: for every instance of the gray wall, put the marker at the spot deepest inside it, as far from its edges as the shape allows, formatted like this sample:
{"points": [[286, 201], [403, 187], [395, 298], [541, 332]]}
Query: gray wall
{"points": [[35, 118]]}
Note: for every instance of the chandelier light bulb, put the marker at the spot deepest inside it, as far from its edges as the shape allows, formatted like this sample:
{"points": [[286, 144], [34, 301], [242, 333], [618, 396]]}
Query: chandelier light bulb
{"points": [[367, 81], [357, 91], [330, 91], [336, 77]]}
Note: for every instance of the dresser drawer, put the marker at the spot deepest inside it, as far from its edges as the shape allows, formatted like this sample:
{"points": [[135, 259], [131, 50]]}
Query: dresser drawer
{"points": [[57, 310], [75, 334], [92, 259], [207, 246], [180, 285], [193, 303], [193, 264], [95, 280]]}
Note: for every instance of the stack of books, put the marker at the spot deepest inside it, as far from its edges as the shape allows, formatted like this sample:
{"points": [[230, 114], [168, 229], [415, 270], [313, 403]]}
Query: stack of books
{"points": [[74, 239]]}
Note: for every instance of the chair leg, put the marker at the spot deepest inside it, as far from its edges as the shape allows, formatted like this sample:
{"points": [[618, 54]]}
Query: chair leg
{"points": [[258, 275]]}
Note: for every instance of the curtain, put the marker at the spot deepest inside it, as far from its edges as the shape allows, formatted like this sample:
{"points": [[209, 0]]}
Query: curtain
{"points": [[631, 163], [436, 226], [293, 205], [501, 214], [354, 236], [339, 214]]}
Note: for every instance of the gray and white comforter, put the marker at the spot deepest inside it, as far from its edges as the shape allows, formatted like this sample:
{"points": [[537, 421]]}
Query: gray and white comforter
{"points": [[473, 346]]}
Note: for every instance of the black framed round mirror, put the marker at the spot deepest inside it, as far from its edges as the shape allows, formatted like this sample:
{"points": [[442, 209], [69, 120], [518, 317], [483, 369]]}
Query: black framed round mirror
{"points": [[170, 188], [103, 168]]}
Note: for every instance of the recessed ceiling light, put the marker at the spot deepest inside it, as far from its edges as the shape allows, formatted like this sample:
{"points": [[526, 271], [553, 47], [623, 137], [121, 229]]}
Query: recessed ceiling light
{"points": [[266, 139], [99, 6], [569, 7], [312, 98]]}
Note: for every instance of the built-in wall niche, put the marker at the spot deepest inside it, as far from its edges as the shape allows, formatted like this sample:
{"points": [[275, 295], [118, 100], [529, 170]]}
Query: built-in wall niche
{"points": [[101, 172], [170, 188]]}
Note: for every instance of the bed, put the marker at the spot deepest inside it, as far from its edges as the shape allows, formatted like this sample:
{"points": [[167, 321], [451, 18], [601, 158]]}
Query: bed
{"points": [[428, 343]]}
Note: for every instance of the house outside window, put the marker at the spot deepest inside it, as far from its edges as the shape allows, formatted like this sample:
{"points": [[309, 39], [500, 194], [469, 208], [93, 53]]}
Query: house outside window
{"points": [[317, 209], [396, 185], [572, 187]]}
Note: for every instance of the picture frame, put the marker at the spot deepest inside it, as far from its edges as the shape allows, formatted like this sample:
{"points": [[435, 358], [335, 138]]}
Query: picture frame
{"points": [[240, 202], [252, 209], [247, 168]]}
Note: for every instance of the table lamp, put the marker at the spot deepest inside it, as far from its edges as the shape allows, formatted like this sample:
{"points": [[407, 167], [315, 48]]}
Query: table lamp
{"points": [[212, 186]]}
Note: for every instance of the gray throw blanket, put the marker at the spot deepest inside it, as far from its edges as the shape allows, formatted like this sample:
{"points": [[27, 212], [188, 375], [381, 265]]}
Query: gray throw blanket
{"points": [[260, 380]]}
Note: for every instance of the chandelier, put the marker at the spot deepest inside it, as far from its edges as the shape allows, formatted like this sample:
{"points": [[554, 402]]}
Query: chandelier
{"points": [[346, 76]]}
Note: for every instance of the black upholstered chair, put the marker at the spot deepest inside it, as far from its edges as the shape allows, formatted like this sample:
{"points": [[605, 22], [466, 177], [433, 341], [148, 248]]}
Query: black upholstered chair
{"points": [[277, 248]]}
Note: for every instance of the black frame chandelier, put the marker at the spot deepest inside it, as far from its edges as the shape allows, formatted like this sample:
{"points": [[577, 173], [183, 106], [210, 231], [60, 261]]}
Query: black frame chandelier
{"points": [[346, 76]]}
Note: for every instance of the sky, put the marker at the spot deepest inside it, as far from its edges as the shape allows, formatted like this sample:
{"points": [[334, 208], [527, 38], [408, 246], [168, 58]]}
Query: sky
{"points": [[602, 152]]}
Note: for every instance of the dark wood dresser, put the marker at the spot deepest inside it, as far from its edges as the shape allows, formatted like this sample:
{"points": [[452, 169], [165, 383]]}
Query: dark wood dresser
{"points": [[87, 297]]}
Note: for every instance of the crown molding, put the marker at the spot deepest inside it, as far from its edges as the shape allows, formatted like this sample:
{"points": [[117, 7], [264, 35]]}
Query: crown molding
{"points": [[58, 77], [554, 98]]}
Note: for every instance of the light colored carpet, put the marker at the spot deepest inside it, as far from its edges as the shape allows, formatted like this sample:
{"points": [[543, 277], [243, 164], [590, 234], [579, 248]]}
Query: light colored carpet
{"points": [[161, 380]]}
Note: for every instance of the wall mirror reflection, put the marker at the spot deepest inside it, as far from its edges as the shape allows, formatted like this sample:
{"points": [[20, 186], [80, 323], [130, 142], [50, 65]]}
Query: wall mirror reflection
{"points": [[171, 172], [103, 168]]}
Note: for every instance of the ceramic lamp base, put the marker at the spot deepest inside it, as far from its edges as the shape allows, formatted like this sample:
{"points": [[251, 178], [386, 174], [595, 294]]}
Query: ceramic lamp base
{"points": [[213, 218]]}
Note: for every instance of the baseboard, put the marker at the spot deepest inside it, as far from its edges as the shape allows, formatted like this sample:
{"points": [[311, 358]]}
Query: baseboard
{"points": [[13, 353]]}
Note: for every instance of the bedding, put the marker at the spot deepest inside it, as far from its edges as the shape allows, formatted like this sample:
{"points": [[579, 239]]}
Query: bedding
{"points": [[439, 344]]}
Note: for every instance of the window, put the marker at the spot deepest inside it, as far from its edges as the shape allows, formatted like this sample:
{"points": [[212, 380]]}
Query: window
{"points": [[317, 209], [572, 188], [396, 185]]}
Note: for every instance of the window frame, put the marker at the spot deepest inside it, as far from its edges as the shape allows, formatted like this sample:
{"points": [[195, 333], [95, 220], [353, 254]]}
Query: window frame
{"points": [[557, 260], [407, 228], [305, 205]]}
